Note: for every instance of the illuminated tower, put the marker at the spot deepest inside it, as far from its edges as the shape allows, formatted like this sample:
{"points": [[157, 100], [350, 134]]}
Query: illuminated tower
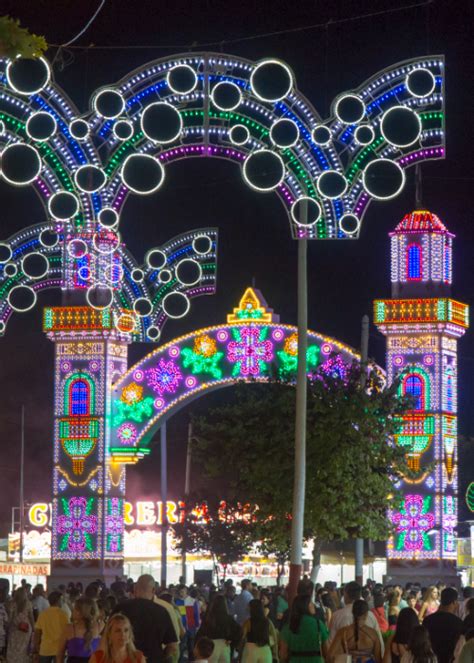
{"points": [[422, 325]]}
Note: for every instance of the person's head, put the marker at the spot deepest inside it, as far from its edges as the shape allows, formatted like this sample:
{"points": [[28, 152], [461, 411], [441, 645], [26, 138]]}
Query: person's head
{"points": [[305, 588], [265, 597], [360, 608], [259, 625], [470, 607], [449, 599], [38, 591], [118, 635], [379, 600], [406, 622], [230, 592], [431, 594], [54, 599], [412, 600], [20, 598], [246, 585], [420, 645], [217, 609], [145, 587], [92, 591], [203, 649], [394, 597], [85, 612], [352, 592], [182, 591], [299, 607]]}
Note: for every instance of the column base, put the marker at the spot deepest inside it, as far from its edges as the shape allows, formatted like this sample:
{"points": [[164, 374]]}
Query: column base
{"points": [[85, 571], [425, 571]]}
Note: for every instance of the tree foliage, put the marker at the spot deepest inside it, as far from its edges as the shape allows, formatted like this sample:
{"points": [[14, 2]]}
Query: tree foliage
{"points": [[351, 463], [15, 40]]}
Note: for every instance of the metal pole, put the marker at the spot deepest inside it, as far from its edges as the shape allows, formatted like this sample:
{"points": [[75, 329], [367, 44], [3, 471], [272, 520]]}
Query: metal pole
{"points": [[164, 505], [22, 480], [299, 485], [187, 484], [364, 355]]}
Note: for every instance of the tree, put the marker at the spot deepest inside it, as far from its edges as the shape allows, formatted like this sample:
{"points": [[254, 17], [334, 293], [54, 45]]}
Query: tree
{"points": [[221, 528], [351, 463], [15, 40]]}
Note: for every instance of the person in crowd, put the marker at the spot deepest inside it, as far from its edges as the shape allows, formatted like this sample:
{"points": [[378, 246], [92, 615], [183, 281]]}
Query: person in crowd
{"points": [[203, 650], [419, 647], [117, 645], [20, 627], [49, 629], [303, 638], [3, 622], [221, 628], [81, 637], [394, 606], [466, 655], [444, 626], [379, 612], [39, 601], [266, 599], [397, 644], [242, 600], [412, 600], [260, 636], [188, 607], [344, 616], [281, 606], [467, 593], [359, 640], [229, 594], [151, 624], [430, 602], [325, 604], [468, 621], [166, 600]]}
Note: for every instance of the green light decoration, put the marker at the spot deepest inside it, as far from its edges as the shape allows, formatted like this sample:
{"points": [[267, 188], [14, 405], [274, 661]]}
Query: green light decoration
{"points": [[289, 362], [470, 497], [202, 365], [137, 411]]}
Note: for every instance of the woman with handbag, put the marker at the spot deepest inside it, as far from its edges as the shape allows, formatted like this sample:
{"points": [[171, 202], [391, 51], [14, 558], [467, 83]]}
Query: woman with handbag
{"points": [[304, 638], [260, 638], [20, 628], [358, 642]]}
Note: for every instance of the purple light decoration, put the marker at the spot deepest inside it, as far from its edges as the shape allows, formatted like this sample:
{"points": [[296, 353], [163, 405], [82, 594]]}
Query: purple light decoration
{"points": [[335, 366], [138, 375], [127, 433], [164, 378], [77, 524], [222, 335], [413, 522], [278, 335], [326, 348], [249, 351], [174, 351], [191, 382], [114, 525], [159, 403]]}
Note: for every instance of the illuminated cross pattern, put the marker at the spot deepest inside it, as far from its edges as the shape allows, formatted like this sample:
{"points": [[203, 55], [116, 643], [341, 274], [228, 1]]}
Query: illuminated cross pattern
{"points": [[77, 525], [114, 525], [414, 522], [250, 351]]}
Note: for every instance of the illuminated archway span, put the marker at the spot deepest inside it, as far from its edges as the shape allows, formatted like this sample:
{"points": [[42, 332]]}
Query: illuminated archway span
{"points": [[251, 346]]}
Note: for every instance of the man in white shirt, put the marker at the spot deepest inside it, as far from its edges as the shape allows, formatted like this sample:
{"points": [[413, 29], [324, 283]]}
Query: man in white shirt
{"points": [[241, 602], [343, 616]]}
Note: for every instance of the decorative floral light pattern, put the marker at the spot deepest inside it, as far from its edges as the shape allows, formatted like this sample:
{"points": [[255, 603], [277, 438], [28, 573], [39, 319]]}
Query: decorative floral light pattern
{"points": [[251, 351], [164, 378], [114, 526], [413, 522], [132, 393], [127, 433], [78, 524]]}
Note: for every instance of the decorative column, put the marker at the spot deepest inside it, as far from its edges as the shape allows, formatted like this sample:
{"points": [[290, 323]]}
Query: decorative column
{"points": [[88, 488], [422, 325]]}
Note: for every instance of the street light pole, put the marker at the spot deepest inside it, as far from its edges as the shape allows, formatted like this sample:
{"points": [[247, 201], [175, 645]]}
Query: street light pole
{"points": [[299, 486], [22, 481], [187, 485], [164, 505], [364, 355]]}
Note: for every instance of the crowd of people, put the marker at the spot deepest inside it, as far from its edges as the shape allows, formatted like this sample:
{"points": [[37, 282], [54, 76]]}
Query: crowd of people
{"points": [[134, 622]]}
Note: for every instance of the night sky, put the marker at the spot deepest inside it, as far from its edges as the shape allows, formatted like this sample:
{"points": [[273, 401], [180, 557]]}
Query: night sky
{"points": [[255, 242]]}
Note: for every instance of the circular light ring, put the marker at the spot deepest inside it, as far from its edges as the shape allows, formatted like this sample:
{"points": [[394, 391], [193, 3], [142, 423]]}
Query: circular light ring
{"points": [[355, 115], [321, 135], [239, 134], [173, 115], [364, 134], [48, 238], [334, 178], [77, 248], [5, 252], [125, 322], [29, 270], [10, 171], [143, 307], [2, 326], [313, 211], [429, 82], [79, 129], [123, 129], [176, 296], [183, 264], [201, 250], [371, 166], [408, 113], [65, 200], [153, 333], [349, 223], [99, 291], [137, 275], [21, 289], [113, 273], [94, 172], [159, 173], [262, 71], [111, 97], [32, 129], [156, 259], [181, 70], [108, 217], [284, 124], [165, 276], [106, 242], [10, 269], [230, 87], [40, 84], [84, 273], [2, 127], [255, 156]]}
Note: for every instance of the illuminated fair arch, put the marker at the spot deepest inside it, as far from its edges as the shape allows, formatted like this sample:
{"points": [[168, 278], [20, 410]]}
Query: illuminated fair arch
{"points": [[193, 105], [252, 346]]}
